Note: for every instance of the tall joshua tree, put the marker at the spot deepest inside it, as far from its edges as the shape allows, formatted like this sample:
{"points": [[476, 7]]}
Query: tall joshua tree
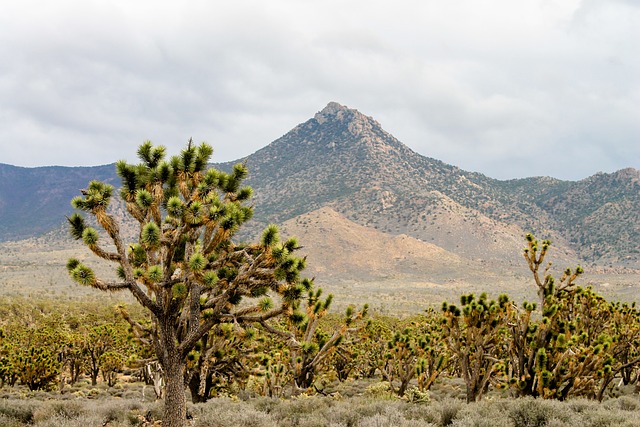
{"points": [[185, 268]]}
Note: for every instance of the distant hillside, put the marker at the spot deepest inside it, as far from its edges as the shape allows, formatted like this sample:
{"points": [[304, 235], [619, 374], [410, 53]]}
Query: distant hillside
{"points": [[344, 159], [36, 200], [342, 166], [600, 215], [365, 252]]}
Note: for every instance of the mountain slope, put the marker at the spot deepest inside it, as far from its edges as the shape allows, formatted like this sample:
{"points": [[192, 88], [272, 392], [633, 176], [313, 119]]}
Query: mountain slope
{"points": [[337, 247], [35, 200], [343, 160], [601, 215]]}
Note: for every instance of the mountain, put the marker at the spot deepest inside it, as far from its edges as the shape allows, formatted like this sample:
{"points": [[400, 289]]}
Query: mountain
{"points": [[361, 256], [36, 200], [342, 167], [345, 160]]}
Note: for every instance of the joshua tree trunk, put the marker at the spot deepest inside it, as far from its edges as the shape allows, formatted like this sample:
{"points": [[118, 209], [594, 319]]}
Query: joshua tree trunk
{"points": [[175, 401], [304, 378], [194, 387], [174, 366]]}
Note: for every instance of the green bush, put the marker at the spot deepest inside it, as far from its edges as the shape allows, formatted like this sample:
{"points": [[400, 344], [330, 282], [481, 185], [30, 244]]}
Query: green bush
{"points": [[16, 410], [528, 412], [234, 415]]}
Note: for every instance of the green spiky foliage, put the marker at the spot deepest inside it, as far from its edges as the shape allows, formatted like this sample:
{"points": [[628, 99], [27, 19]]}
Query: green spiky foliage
{"points": [[35, 359], [548, 288], [435, 358], [275, 372], [475, 335], [223, 359], [358, 356], [185, 268], [369, 347], [625, 332], [60, 328], [72, 355], [576, 347], [571, 350], [111, 363], [344, 361], [31, 349], [308, 343], [98, 340], [8, 375], [415, 351], [38, 367]]}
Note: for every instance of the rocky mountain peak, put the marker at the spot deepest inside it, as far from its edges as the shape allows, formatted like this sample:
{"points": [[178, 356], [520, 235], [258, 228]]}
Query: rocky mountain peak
{"points": [[338, 124], [630, 174], [332, 109], [335, 112]]}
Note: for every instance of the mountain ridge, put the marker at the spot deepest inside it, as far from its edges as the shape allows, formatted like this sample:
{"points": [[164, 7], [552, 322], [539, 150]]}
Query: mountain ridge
{"points": [[344, 160]]}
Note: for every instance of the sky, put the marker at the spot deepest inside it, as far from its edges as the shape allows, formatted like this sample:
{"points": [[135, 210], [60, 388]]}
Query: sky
{"points": [[507, 88]]}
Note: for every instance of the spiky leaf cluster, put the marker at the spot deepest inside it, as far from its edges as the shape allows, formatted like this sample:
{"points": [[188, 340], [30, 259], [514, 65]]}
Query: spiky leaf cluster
{"points": [[416, 351], [571, 350], [475, 334]]}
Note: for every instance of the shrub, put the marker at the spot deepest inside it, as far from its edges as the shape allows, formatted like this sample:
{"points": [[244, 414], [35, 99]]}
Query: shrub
{"points": [[482, 414], [627, 403], [18, 411], [392, 419], [449, 409], [233, 416], [529, 412], [414, 395], [5, 421], [381, 390]]}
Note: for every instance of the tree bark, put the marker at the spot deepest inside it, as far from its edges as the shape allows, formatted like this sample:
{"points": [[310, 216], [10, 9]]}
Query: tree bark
{"points": [[194, 387], [175, 401], [94, 369], [304, 379]]}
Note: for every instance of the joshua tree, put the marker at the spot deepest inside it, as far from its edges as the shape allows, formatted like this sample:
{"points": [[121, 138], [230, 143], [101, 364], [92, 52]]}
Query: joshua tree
{"points": [[223, 357], [548, 289], [184, 267], [417, 351], [100, 339], [309, 345], [475, 337], [580, 343]]}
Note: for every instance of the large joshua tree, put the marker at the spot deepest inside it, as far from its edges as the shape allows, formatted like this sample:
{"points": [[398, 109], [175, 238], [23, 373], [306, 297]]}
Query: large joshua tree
{"points": [[184, 267]]}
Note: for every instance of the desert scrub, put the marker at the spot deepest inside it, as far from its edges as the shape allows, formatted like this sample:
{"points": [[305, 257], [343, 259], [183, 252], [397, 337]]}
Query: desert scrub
{"points": [[75, 413], [301, 411], [380, 390], [236, 414], [529, 412], [390, 419], [482, 414], [19, 411], [625, 403], [318, 411], [69, 408], [9, 422]]}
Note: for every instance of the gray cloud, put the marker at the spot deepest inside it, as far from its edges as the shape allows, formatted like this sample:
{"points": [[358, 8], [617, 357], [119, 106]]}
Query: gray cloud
{"points": [[506, 88]]}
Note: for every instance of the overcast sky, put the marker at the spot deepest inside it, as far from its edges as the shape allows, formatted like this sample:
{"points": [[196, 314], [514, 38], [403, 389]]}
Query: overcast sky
{"points": [[507, 88]]}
